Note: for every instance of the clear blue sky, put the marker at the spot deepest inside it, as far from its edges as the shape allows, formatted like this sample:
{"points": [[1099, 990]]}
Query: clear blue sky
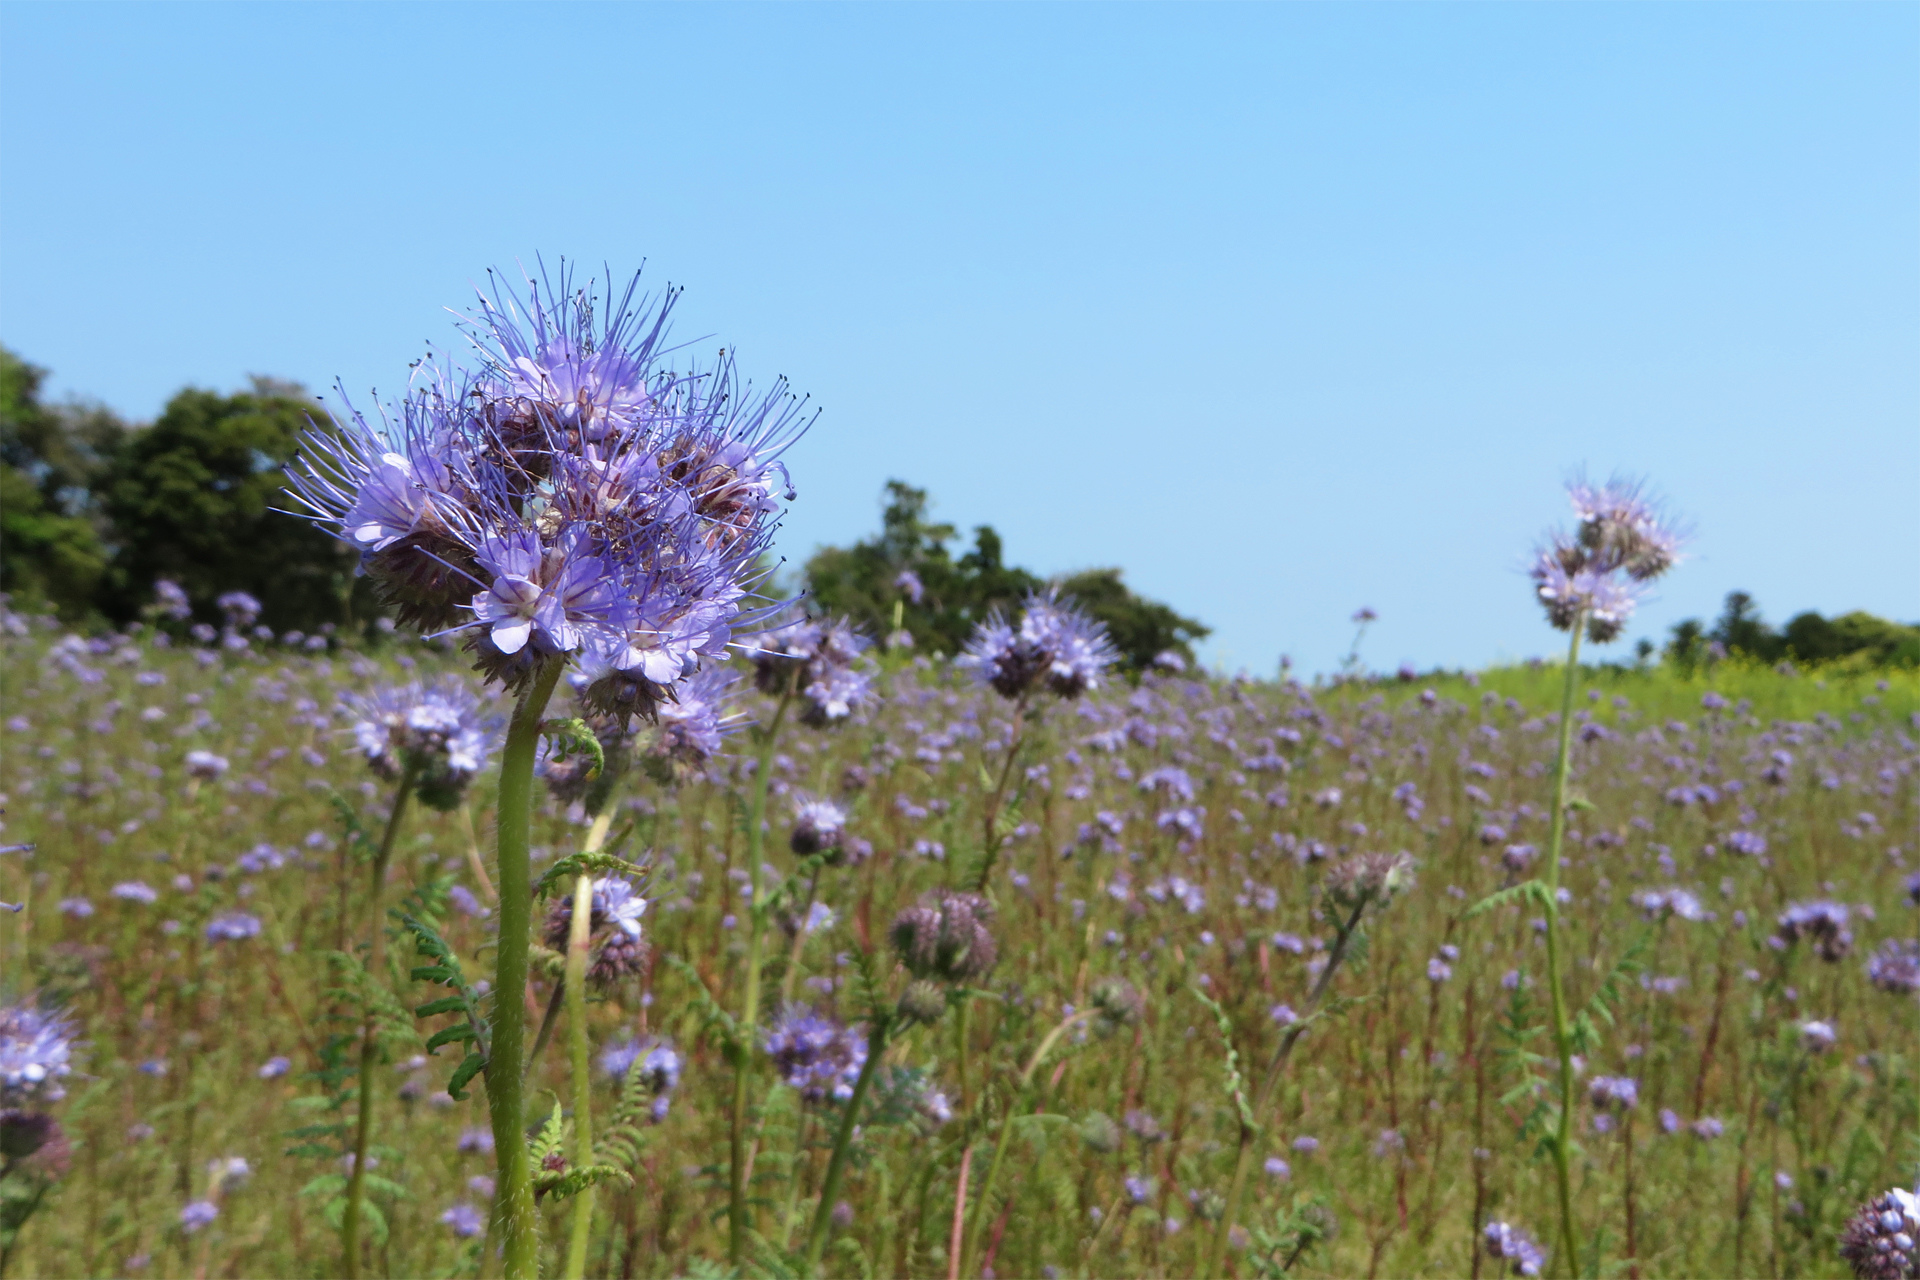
{"points": [[1285, 310]]}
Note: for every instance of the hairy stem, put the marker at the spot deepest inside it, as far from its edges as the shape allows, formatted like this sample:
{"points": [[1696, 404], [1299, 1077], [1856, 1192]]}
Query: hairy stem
{"points": [[579, 945], [1562, 1028], [743, 1047], [837, 1163], [506, 1097], [369, 1046], [990, 847]]}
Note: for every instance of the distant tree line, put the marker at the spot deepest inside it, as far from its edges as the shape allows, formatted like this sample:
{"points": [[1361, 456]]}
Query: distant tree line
{"points": [[907, 577], [93, 508], [1855, 639]]}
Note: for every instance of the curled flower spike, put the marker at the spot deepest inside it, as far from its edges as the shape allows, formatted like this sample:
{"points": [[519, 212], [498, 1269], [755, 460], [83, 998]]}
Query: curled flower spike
{"points": [[820, 661]]}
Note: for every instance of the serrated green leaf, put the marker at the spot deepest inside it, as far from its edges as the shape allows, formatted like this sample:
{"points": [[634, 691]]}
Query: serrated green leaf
{"points": [[449, 1035], [325, 1184], [470, 1066], [446, 1004]]}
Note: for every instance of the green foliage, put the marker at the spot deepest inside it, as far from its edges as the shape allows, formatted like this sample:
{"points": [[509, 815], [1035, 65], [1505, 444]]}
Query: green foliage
{"points": [[193, 498], [1856, 639], [575, 864], [54, 542], [444, 970], [960, 591]]}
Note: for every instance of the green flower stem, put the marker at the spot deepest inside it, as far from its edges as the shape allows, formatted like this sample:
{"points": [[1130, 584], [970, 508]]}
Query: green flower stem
{"points": [[990, 848], [971, 1255], [837, 1164], [369, 1047], [1562, 1028], [579, 947], [1263, 1101], [743, 1047], [506, 1097]]}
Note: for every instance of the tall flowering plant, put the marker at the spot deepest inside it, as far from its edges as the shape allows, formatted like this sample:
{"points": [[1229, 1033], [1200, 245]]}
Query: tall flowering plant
{"points": [[1589, 583], [566, 502]]}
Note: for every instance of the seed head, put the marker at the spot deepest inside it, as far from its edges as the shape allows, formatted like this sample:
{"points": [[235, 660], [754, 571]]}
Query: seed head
{"points": [[946, 937], [1369, 878]]}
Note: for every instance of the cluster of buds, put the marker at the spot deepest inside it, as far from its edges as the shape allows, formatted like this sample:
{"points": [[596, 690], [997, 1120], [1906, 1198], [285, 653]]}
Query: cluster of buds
{"points": [[943, 942]]}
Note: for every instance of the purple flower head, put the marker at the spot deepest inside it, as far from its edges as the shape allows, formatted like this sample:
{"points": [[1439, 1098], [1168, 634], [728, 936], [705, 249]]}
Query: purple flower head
{"points": [[233, 926], [820, 660], [818, 826], [659, 1064], [1895, 967], [1613, 1092], [205, 765], [1878, 1242], [1595, 577], [690, 725], [170, 601], [197, 1214], [907, 583], [572, 499], [1676, 902], [1823, 924], [1817, 1036], [36, 1050], [134, 891], [1707, 1128], [439, 728], [273, 1068], [1056, 648], [613, 924], [815, 1054], [1516, 1247], [464, 1221], [239, 609]]}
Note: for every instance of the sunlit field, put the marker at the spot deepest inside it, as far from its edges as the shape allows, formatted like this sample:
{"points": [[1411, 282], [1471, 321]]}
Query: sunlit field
{"points": [[1182, 835]]}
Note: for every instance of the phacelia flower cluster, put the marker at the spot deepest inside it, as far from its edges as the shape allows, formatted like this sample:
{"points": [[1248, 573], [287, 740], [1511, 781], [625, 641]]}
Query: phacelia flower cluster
{"points": [[1822, 924], [815, 1054], [946, 938], [570, 499], [1878, 1242], [36, 1054], [1514, 1246], [439, 729], [1595, 577], [1895, 967], [619, 949], [1055, 648], [819, 661]]}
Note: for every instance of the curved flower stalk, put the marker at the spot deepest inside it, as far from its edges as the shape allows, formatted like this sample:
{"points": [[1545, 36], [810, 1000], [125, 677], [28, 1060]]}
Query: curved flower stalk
{"points": [[1588, 584], [566, 502]]}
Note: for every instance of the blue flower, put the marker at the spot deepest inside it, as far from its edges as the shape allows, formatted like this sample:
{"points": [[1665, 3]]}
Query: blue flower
{"points": [[1517, 1247], [815, 1054], [36, 1049], [1056, 648], [439, 727], [233, 926], [1595, 578], [197, 1214], [464, 1221]]}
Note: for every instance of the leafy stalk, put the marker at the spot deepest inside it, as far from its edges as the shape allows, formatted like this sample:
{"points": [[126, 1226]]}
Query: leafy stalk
{"points": [[506, 1098], [837, 1164]]}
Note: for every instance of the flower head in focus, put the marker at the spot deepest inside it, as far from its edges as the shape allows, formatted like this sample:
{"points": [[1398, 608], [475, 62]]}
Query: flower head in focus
{"points": [[567, 499], [614, 926], [1878, 1242]]}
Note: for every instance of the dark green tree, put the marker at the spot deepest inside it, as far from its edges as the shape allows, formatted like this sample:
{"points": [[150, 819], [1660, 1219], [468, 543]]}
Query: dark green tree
{"points": [[53, 536], [194, 496], [957, 592], [1857, 638]]}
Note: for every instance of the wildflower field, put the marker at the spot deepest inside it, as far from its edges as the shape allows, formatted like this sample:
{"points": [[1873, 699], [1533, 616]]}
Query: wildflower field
{"points": [[1176, 836], [598, 912]]}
